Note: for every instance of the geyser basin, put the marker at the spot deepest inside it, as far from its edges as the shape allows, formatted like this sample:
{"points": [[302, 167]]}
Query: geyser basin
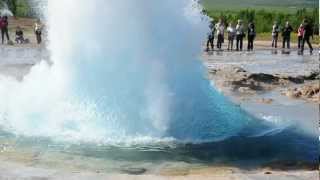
{"points": [[127, 74]]}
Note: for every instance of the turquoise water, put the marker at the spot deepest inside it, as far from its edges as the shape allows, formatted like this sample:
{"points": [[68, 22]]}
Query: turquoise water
{"points": [[127, 84]]}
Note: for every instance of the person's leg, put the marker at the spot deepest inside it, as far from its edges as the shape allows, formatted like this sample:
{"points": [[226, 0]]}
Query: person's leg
{"points": [[284, 40], [211, 43], [309, 44], [208, 43], [302, 45], [288, 43], [7, 34], [220, 41], [272, 44], [232, 39], [252, 43], [238, 42], [2, 36], [241, 43], [276, 42], [39, 38]]}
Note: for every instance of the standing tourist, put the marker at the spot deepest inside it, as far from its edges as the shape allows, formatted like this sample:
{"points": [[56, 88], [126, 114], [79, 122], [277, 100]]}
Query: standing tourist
{"points": [[4, 29], [286, 34], [300, 35], [251, 35], [308, 32], [275, 34], [210, 42], [38, 31], [220, 33], [231, 35], [240, 35]]}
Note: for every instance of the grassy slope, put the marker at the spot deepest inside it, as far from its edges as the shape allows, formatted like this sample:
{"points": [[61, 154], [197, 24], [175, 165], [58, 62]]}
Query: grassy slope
{"points": [[278, 5]]}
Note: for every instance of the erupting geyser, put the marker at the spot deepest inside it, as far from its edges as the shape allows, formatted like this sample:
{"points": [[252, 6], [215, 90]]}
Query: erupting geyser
{"points": [[123, 71]]}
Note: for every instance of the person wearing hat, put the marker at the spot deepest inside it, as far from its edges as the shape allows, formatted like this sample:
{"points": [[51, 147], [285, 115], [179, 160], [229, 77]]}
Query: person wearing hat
{"points": [[240, 34]]}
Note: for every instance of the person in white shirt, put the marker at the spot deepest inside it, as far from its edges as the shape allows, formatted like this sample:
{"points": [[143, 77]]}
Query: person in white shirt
{"points": [[220, 33], [240, 34], [231, 30], [275, 34]]}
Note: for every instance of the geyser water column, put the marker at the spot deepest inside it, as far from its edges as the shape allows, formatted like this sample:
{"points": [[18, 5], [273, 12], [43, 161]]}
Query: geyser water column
{"points": [[123, 71]]}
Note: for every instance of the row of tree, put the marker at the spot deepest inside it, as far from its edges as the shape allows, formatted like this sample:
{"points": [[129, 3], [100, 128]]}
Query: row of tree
{"points": [[264, 19]]}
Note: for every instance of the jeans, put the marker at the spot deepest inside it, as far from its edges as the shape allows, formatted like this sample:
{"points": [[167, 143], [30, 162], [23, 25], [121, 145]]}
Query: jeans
{"points": [[239, 42], [210, 43], [250, 42], [275, 41], [220, 41], [300, 41], [286, 40]]}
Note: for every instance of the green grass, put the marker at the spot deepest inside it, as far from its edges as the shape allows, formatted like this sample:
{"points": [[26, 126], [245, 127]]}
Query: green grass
{"points": [[294, 38], [285, 6]]}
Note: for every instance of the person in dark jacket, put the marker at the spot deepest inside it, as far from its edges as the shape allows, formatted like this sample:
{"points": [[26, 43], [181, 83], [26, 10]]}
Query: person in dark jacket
{"points": [[19, 36], [286, 34], [251, 35], [308, 32], [4, 29]]}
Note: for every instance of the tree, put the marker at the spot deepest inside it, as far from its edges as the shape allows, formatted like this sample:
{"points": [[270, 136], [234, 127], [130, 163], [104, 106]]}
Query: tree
{"points": [[12, 5]]}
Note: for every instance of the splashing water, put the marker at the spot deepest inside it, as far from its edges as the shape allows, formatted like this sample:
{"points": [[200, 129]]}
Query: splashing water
{"points": [[4, 10], [123, 71]]}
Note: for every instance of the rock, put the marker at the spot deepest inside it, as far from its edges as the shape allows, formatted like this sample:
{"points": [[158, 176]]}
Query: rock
{"points": [[265, 101], [10, 43], [312, 76], [297, 80], [265, 78], [134, 171], [246, 90], [238, 70], [293, 94]]}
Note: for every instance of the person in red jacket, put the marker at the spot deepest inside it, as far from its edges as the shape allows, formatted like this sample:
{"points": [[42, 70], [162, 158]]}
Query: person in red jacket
{"points": [[300, 35], [4, 28]]}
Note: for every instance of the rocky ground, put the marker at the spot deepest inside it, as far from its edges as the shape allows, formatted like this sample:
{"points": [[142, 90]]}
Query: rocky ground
{"points": [[247, 74]]}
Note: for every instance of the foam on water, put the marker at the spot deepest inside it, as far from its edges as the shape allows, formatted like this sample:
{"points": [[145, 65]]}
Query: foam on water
{"points": [[124, 71]]}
